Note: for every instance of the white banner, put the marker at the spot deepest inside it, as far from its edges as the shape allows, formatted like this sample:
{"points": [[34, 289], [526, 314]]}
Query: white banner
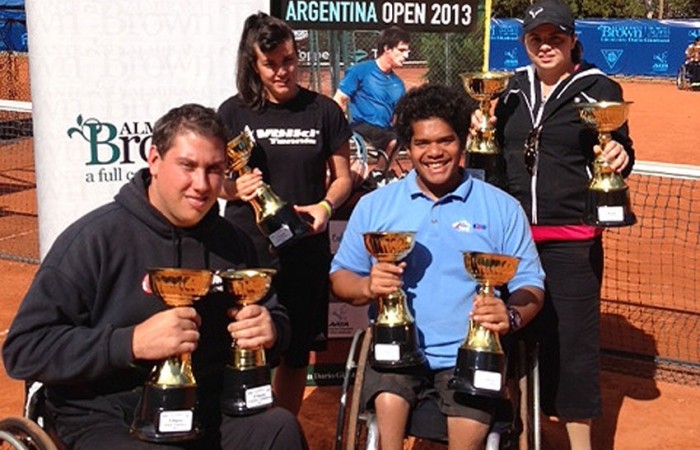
{"points": [[102, 72]]}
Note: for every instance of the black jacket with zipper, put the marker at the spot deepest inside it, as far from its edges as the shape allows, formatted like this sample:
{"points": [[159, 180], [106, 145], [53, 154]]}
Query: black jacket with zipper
{"points": [[556, 192]]}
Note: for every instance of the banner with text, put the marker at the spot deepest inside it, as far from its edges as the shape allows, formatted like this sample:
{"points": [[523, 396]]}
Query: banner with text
{"points": [[102, 73], [419, 16], [630, 47]]}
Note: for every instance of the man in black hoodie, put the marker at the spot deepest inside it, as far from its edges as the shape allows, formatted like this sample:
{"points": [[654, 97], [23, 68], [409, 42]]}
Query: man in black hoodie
{"points": [[91, 331]]}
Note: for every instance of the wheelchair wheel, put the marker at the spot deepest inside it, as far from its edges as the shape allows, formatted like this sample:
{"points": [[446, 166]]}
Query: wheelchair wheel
{"points": [[20, 433], [359, 166], [354, 430], [682, 79]]}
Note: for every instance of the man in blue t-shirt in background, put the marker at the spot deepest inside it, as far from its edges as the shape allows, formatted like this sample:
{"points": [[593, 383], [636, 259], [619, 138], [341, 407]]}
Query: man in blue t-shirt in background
{"points": [[371, 89]]}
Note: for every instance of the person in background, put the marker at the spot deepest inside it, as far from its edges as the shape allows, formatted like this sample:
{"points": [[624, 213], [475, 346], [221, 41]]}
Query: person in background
{"points": [[692, 61], [302, 151], [91, 330], [451, 212], [549, 154], [371, 89]]}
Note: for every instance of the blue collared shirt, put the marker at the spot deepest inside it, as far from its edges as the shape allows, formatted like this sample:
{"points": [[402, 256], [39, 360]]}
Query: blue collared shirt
{"points": [[474, 217]]}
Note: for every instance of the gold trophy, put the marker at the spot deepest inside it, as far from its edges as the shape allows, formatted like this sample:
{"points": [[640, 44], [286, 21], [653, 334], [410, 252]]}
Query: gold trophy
{"points": [[247, 385], [481, 363], [395, 338], [608, 199], [276, 219], [167, 409], [483, 149]]}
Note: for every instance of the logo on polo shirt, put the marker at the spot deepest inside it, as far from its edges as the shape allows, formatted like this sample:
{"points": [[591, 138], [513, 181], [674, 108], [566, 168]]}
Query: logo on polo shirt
{"points": [[463, 226]]}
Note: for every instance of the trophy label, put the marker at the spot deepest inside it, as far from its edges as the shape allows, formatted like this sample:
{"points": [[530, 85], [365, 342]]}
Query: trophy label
{"points": [[258, 396], [281, 236], [387, 352], [611, 213], [175, 421], [484, 379]]}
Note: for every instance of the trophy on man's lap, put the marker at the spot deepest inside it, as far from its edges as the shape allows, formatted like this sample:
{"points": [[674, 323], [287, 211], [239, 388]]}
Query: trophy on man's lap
{"points": [[167, 409], [481, 362], [276, 219], [395, 338], [247, 385], [608, 200]]}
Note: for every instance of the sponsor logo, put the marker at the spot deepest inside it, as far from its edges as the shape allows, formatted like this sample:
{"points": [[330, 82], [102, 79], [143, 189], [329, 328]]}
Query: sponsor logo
{"points": [[463, 226], [611, 56], [635, 33], [535, 13], [113, 152], [288, 136], [511, 58], [660, 62]]}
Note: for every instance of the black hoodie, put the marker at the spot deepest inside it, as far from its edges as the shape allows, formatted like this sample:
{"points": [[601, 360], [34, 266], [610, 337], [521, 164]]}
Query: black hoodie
{"points": [[556, 195], [74, 328]]}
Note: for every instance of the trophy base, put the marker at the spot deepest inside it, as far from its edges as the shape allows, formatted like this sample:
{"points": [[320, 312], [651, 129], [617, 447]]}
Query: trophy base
{"points": [[479, 373], [246, 392], [284, 227], [487, 167], [395, 347], [609, 209], [166, 414]]}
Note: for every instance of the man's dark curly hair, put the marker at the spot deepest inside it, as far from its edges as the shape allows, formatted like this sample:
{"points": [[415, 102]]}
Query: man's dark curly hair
{"points": [[431, 101]]}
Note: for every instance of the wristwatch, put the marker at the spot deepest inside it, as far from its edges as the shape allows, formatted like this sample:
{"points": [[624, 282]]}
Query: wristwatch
{"points": [[514, 319]]}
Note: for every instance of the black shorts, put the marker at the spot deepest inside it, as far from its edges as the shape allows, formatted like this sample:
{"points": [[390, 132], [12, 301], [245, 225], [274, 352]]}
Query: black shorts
{"points": [[420, 383], [378, 137], [302, 287]]}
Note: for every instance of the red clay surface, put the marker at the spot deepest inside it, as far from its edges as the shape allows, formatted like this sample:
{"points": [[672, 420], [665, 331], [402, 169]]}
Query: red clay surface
{"points": [[639, 412]]}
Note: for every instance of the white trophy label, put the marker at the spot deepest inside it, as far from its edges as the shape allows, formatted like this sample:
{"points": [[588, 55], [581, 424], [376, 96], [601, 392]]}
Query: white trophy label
{"points": [[484, 379], [175, 421], [258, 396], [611, 213], [281, 236], [387, 352]]}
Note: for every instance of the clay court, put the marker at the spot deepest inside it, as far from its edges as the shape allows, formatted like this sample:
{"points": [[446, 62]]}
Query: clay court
{"points": [[644, 411]]}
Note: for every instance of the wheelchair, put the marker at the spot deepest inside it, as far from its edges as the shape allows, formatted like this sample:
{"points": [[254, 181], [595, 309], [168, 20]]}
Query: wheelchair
{"points": [[516, 426], [363, 155], [26, 433], [684, 80]]}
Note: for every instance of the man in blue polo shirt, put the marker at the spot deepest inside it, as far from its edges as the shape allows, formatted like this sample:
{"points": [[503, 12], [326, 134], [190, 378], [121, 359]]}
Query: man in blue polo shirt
{"points": [[450, 213], [371, 90]]}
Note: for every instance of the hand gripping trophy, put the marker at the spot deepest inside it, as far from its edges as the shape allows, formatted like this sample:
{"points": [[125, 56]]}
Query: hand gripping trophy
{"points": [[247, 387], [276, 219], [167, 409], [394, 337], [483, 149], [481, 363], [608, 202]]}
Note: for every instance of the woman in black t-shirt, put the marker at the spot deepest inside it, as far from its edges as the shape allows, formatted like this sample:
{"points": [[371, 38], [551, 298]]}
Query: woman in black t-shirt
{"points": [[301, 151]]}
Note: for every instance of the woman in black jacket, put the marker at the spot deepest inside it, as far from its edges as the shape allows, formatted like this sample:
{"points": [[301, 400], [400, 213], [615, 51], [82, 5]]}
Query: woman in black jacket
{"points": [[548, 154]]}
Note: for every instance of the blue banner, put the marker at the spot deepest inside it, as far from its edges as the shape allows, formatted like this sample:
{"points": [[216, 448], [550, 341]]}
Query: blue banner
{"points": [[618, 47], [13, 27]]}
